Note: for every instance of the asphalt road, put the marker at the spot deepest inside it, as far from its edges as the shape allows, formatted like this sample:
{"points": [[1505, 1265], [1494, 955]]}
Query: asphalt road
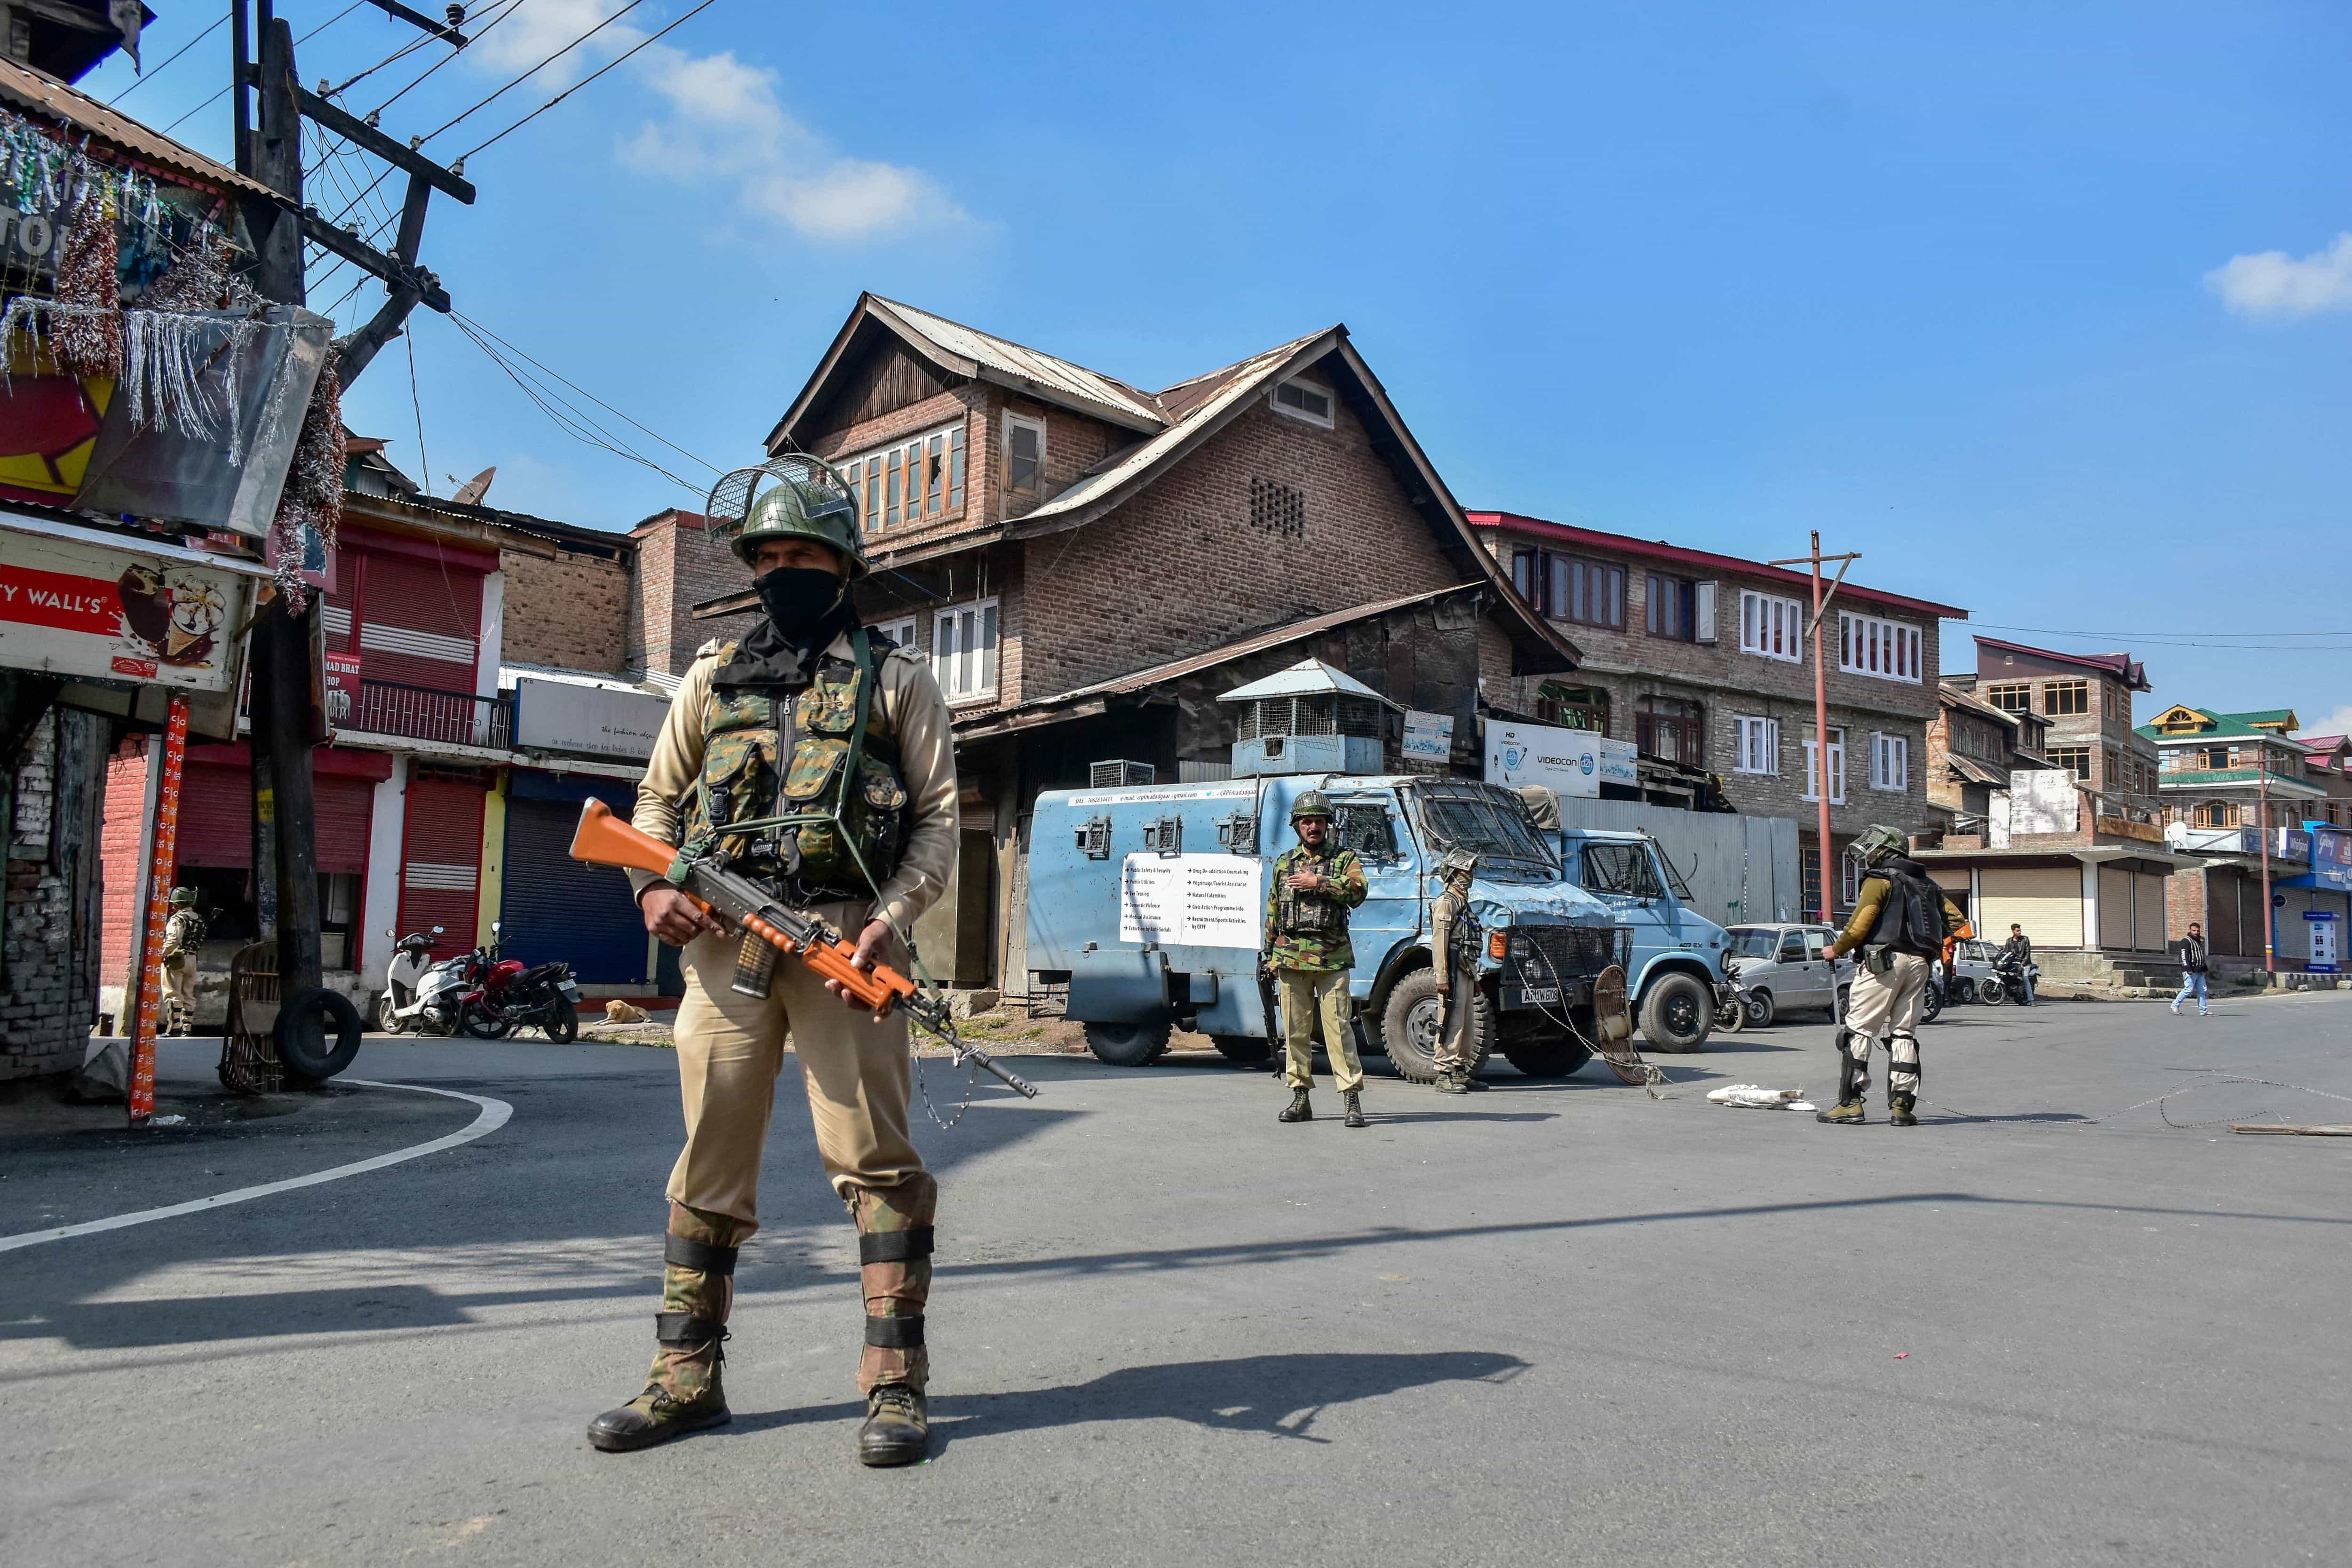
{"points": [[1557, 1323]]}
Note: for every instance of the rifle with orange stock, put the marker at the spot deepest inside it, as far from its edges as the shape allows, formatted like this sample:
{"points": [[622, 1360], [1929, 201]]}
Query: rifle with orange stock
{"points": [[739, 904]]}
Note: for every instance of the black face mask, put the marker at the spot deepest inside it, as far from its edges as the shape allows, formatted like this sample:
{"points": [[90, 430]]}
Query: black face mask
{"points": [[799, 599]]}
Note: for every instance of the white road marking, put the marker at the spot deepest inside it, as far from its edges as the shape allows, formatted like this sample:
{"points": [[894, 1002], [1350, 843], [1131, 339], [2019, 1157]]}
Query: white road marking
{"points": [[494, 1116]]}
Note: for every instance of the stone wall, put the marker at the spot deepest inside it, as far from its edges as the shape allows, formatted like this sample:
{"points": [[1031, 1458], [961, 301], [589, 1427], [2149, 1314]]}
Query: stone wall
{"points": [[47, 970], [564, 607]]}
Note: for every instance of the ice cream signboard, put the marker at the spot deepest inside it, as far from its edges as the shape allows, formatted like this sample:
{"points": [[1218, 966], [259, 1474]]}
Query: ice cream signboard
{"points": [[80, 601]]}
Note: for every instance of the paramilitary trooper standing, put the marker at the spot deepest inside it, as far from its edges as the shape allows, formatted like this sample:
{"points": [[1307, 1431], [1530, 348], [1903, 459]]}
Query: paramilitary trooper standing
{"points": [[818, 758], [1315, 884], [183, 933], [1899, 922], [1454, 963]]}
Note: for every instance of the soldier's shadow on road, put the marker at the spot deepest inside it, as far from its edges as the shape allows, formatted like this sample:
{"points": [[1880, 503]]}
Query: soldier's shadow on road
{"points": [[1272, 1395]]}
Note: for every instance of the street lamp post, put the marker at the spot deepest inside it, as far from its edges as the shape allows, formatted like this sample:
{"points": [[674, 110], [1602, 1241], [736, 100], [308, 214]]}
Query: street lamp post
{"points": [[1821, 708]]}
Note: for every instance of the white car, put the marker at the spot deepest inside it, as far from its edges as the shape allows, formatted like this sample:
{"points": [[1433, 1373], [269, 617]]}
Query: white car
{"points": [[1971, 963], [1786, 965]]}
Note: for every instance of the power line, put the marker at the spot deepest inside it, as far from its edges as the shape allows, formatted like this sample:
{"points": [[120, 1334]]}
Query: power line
{"points": [[571, 421], [534, 70], [568, 91], [511, 8], [2172, 631], [146, 77], [224, 92], [583, 392]]}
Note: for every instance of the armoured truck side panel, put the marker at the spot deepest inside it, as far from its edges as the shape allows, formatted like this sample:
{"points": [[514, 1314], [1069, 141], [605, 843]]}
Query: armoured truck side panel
{"points": [[1149, 901]]}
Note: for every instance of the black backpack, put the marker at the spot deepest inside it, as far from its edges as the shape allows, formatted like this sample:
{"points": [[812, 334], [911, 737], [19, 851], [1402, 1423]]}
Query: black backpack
{"points": [[1912, 919]]}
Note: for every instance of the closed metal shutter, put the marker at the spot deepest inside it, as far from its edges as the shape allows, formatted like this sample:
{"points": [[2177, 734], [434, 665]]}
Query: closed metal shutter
{"points": [[441, 860], [216, 818], [2148, 911], [2115, 907], [2046, 900], [558, 908]]}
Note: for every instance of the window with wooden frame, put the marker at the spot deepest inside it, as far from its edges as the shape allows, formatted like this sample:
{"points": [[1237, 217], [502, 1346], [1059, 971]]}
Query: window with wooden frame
{"points": [[1837, 769], [1565, 588], [1868, 645], [908, 482], [2017, 697], [1308, 400], [1025, 457], [2215, 758], [1573, 707], [2077, 760], [964, 650], [2216, 814], [2061, 698], [2113, 777], [1671, 729], [900, 631], [1755, 745], [2108, 699], [1771, 626], [1890, 762], [1849, 881], [1674, 607]]}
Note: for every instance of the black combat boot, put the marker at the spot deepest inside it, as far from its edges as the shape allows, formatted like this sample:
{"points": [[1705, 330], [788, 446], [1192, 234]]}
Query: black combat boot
{"points": [[1355, 1117], [1298, 1109], [1899, 1110], [897, 1430], [1452, 1081], [894, 1259], [683, 1393]]}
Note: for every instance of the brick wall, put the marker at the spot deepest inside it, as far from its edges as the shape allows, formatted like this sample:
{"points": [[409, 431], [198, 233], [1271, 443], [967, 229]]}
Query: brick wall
{"points": [[1180, 568], [45, 1007], [126, 806], [679, 567], [565, 609]]}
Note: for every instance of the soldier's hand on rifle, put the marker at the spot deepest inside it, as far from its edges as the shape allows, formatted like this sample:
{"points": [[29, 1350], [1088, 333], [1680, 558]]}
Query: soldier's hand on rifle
{"points": [[872, 942], [674, 917]]}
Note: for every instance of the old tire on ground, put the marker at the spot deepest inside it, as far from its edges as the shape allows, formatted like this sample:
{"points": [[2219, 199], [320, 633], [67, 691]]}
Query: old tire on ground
{"points": [[1549, 1055], [1128, 1045], [1759, 1009], [316, 1034], [563, 1025], [1249, 1050], [1409, 1020], [1677, 1015]]}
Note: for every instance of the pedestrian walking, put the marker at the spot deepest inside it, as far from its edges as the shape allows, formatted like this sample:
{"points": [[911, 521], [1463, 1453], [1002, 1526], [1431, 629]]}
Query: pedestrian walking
{"points": [[1315, 884], [803, 751], [183, 933], [1454, 963], [2191, 951], [1899, 922]]}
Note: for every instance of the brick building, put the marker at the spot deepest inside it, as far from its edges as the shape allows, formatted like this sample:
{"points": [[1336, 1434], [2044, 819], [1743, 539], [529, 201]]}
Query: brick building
{"points": [[1701, 660], [2085, 702], [1080, 556], [1972, 748], [677, 565]]}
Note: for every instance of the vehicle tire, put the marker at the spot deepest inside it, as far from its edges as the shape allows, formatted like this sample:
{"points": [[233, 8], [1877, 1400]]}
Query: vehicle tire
{"points": [[1128, 1045], [1730, 1017], [1994, 992], [1553, 1056], [1408, 1026], [1677, 1015], [1960, 990], [316, 1034], [1249, 1050], [474, 1019], [1759, 1009], [1845, 999], [1932, 1005], [387, 1016], [563, 1025]]}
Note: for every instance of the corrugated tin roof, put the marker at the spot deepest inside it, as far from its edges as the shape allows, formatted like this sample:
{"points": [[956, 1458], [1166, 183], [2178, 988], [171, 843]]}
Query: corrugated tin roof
{"points": [[1307, 678], [1975, 771], [37, 90], [1043, 370]]}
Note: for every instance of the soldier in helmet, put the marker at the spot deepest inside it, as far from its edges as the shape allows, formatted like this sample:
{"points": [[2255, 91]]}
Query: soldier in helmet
{"points": [[817, 758], [1452, 958], [1899, 922], [1315, 884], [183, 933]]}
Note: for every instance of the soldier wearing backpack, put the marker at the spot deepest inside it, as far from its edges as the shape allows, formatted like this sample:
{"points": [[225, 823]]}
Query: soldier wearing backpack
{"points": [[1899, 922]]}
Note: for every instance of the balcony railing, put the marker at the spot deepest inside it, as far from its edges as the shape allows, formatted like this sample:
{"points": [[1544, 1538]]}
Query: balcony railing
{"points": [[424, 713]]}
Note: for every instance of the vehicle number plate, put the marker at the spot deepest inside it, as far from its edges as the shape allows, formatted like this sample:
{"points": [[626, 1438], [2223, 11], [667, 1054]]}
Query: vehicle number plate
{"points": [[572, 994], [1538, 995]]}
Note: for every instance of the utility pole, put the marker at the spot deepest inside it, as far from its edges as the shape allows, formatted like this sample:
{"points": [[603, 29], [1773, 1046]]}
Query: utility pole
{"points": [[285, 807], [1821, 704], [2269, 916]]}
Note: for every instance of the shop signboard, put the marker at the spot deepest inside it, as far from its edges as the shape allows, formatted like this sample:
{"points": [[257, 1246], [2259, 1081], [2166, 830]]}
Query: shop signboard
{"points": [[1566, 762], [1428, 737], [1618, 765], [594, 721], [80, 601], [342, 677], [2290, 844], [2331, 858]]}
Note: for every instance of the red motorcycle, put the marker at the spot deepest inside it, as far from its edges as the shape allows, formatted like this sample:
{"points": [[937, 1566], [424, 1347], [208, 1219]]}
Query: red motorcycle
{"points": [[509, 995]]}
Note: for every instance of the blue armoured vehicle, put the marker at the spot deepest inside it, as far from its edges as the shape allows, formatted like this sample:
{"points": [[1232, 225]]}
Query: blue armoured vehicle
{"points": [[1676, 975], [1149, 903]]}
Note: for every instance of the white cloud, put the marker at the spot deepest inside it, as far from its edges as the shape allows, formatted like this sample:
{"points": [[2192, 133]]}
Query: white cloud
{"points": [[723, 123], [2337, 723], [2276, 284]]}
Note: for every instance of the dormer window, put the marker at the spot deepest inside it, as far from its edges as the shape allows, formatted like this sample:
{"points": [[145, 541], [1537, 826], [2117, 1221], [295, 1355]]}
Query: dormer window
{"points": [[1308, 400]]}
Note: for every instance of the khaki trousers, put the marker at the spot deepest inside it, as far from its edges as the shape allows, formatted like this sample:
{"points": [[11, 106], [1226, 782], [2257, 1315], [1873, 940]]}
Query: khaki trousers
{"points": [[179, 991], [1302, 992], [731, 1047], [1887, 1006]]}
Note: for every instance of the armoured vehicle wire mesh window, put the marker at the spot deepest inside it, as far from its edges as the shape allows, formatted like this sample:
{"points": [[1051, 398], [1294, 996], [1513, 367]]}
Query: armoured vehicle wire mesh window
{"points": [[1484, 820], [1365, 828]]}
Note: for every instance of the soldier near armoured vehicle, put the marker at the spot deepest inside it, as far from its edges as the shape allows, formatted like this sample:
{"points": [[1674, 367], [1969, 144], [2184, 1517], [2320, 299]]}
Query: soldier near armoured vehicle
{"points": [[1900, 922], [1314, 885], [1454, 959], [183, 933], [818, 760]]}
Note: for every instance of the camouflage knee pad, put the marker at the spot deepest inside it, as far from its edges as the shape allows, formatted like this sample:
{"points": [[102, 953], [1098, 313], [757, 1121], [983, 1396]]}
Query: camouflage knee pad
{"points": [[697, 1292], [894, 1257]]}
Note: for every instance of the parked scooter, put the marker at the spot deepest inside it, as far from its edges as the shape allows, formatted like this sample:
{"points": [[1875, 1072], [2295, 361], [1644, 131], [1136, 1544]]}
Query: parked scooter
{"points": [[419, 995], [510, 995]]}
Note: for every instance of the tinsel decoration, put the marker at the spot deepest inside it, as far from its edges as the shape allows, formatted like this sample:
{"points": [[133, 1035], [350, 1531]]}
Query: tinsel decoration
{"points": [[313, 497], [163, 358], [195, 281], [90, 341]]}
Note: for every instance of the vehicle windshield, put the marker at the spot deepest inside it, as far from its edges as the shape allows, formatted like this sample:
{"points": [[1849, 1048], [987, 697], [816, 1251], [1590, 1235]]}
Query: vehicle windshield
{"points": [[1754, 942], [1674, 883], [1484, 820]]}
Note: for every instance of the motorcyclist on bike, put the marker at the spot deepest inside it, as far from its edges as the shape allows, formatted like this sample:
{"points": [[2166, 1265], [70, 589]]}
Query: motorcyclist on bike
{"points": [[2017, 954]]}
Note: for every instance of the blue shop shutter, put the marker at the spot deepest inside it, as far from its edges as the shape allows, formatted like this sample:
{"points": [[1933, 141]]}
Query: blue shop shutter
{"points": [[555, 907]]}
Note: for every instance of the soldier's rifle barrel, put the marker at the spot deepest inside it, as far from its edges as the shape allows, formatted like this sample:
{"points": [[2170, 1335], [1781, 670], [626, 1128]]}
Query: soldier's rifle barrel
{"points": [[603, 839]]}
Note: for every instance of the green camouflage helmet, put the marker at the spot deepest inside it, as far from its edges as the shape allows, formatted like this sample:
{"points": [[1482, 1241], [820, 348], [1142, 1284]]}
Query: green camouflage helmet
{"points": [[182, 897], [1458, 863], [1878, 844], [809, 499], [1314, 802]]}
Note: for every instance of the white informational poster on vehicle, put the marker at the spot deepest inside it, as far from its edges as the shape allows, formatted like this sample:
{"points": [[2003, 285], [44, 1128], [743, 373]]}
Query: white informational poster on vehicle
{"points": [[1565, 761], [1617, 764], [1428, 737], [1190, 900], [78, 601]]}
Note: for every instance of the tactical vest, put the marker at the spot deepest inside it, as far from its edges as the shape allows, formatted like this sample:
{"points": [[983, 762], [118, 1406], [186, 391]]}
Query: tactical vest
{"points": [[828, 822], [1317, 916], [1912, 917]]}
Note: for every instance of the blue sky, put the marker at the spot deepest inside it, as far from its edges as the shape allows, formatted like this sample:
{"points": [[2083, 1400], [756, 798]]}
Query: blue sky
{"points": [[2044, 309]]}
